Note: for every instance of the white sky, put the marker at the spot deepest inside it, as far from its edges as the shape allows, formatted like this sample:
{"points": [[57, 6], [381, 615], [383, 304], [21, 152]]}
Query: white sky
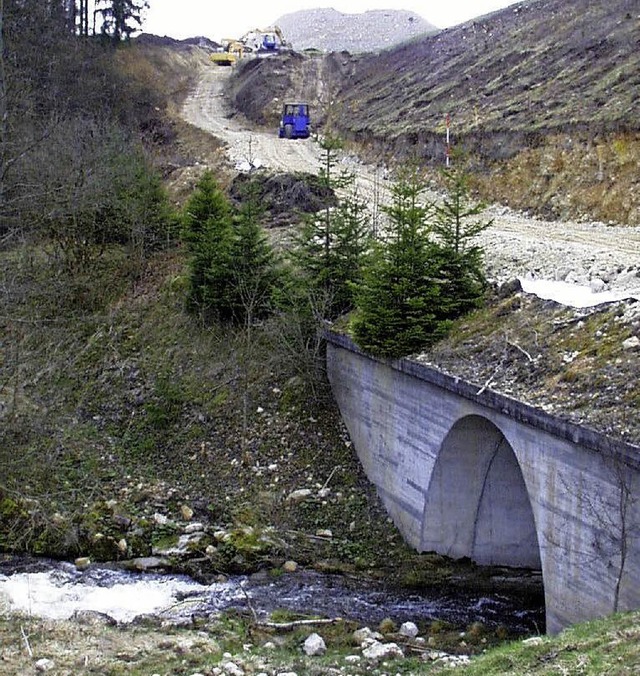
{"points": [[218, 19]]}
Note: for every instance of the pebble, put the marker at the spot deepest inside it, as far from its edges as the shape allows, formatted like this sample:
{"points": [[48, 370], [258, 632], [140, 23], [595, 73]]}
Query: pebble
{"points": [[44, 665]]}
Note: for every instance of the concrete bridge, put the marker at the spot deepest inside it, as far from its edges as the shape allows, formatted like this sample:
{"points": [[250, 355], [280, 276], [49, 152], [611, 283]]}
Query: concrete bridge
{"points": [[465, 472]]}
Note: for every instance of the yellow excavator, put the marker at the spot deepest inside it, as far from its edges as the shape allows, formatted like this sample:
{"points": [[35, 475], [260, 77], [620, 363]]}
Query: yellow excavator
{"points": [[232, 50]]}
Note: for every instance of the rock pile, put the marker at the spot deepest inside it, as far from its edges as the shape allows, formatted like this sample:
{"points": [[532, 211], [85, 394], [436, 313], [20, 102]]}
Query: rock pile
{"points": [[331, 31]]}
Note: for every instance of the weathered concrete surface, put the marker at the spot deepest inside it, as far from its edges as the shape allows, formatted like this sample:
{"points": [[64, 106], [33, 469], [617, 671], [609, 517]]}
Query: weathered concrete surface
{"points": [[473, 473]]}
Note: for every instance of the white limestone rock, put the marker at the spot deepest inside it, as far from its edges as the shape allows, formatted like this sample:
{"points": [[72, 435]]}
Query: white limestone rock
{"points": [[377, 652], [232, 669], [314, 645], [365, 634], [408, 629], [44, 665], [534, 640], [300, 495]]}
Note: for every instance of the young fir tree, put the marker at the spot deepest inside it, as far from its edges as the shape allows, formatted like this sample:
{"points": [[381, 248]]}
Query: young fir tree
{"points": [[352, 242], [254, 263], [399, 298], [461, 260], [208, 232], [332, 243]]}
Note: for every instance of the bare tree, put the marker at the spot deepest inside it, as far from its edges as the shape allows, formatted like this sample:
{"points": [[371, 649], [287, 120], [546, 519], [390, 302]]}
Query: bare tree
{"points": [[3, 109]]}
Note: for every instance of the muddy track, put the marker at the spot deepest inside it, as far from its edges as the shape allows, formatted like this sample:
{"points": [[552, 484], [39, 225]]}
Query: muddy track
{"points": [[515, 245], [206, 109]]}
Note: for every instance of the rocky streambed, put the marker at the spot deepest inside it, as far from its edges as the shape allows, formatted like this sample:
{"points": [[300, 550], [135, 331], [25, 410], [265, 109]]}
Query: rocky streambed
{"points": [[103, 619], [59, 590]]}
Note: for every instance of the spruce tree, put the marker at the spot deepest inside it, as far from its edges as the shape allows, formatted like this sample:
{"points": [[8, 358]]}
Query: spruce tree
{"points": [[426, 273], [208, 232], [456, 226], [117, 16], [331, 244], [398, 300], [253, 262], [352, 242], [455, 223]]}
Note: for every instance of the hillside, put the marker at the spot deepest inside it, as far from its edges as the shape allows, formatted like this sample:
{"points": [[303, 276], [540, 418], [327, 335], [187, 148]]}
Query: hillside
{"points": [[544, 100], [331, 31], [119, 407], [539, 67]]}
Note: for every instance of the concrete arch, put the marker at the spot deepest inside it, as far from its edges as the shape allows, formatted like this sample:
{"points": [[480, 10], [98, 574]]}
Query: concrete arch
{"points": [[477, 504], [470, 472]]}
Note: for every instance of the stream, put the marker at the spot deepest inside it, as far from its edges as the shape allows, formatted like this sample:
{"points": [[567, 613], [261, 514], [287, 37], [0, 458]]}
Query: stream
{"points": [[58, 590]]}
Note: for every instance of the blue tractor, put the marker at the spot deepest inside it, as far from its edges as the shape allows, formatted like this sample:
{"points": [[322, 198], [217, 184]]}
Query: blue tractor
{"points": [[295, 122], [269, 42]]}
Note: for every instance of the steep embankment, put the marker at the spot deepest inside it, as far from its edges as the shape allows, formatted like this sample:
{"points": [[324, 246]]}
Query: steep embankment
{"points": [[538, 67], [544, 97]]}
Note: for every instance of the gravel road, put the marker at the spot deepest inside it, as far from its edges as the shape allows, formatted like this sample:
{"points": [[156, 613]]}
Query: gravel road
{"points": [[604, 257]]}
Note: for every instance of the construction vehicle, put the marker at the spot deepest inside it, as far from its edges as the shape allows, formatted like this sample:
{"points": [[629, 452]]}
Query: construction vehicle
{"points": [[269, 42], [232, 50], [223, 58], [264, 41], [258, 42], [295, 121]]}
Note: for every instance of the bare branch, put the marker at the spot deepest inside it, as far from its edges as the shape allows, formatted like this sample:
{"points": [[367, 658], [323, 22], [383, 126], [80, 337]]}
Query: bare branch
{"points": [[290, 626]]}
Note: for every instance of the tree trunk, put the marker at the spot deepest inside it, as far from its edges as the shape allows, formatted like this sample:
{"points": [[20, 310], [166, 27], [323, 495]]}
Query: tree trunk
{"points": [[3, 111]]}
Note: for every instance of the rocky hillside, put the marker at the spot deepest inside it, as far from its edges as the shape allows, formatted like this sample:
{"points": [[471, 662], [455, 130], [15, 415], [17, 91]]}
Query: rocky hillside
{"points": [[544, 97], [331, 31]]}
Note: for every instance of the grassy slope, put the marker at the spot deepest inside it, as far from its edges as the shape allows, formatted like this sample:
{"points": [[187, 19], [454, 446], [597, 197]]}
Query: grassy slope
{"points": [[608, 646], [138, 403]]}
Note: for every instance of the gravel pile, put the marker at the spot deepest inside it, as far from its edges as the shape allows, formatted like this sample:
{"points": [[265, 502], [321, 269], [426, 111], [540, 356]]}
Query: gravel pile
{"points": [[331, 31]]}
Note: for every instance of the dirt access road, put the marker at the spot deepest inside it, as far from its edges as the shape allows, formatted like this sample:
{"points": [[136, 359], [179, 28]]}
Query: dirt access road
{"points": [[594, 254]]}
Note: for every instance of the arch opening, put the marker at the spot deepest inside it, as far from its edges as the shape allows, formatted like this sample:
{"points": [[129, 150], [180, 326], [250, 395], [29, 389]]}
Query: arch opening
{"points": [[477, 504]]}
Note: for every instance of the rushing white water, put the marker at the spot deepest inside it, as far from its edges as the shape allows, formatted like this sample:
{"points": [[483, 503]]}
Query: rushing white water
{"points": [[38, 594], [61, 592]]}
